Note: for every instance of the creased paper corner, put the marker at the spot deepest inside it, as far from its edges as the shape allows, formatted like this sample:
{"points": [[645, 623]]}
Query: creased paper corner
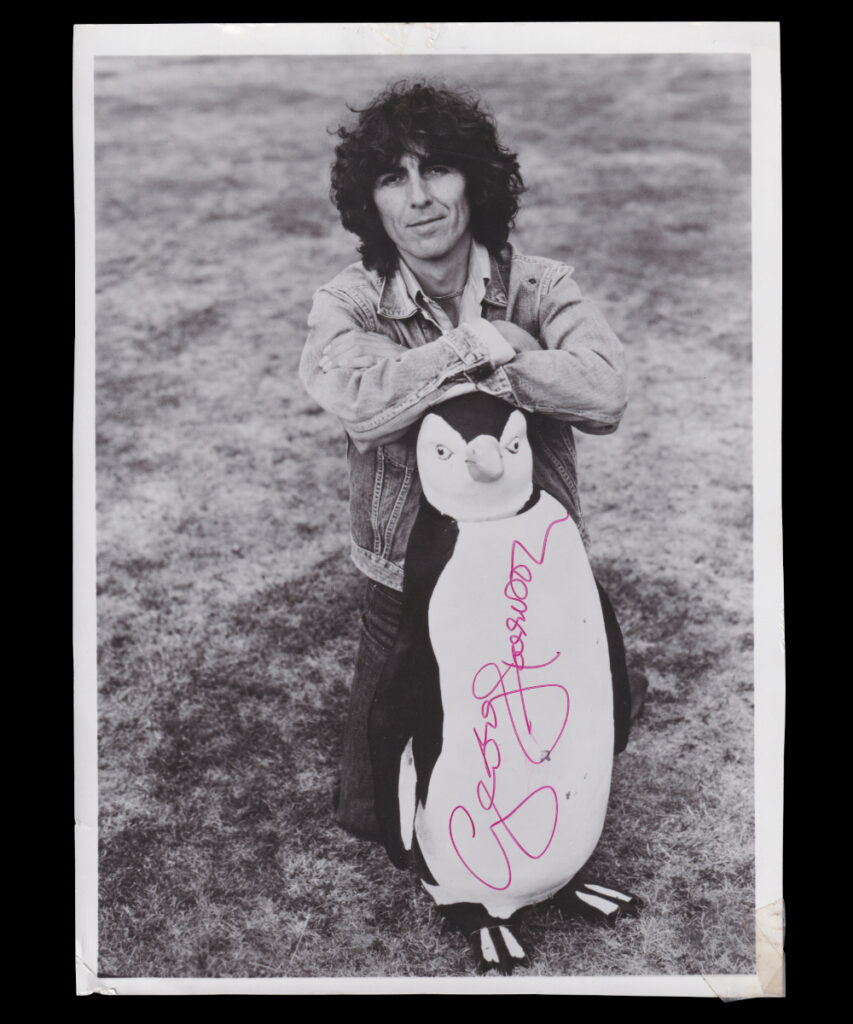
{"points": [[88, 982], [769, 977]]}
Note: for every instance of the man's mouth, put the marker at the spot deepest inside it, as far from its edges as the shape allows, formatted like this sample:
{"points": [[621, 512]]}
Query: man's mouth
{"points": [[430, 220]]}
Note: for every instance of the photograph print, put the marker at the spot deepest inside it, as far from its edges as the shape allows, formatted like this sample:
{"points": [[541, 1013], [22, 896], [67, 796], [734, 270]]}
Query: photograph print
{"points": [[423, 589]]}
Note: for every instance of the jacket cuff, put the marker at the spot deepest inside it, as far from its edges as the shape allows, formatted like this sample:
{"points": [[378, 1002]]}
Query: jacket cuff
{"points": [[469, 347]]}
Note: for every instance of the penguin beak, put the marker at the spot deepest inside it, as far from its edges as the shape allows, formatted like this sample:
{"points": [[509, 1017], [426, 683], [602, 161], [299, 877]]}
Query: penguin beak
{"points": [[483, 459]]}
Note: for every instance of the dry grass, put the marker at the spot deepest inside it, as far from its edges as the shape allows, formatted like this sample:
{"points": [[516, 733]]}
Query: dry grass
{"points": [[227, 605]]}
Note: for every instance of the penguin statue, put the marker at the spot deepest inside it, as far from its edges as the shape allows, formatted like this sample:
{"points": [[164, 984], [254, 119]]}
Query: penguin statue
{"points": [[495, 721]]}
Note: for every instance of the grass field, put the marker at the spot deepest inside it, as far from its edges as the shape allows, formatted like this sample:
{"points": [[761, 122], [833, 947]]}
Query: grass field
{"points": [[227, 605]]}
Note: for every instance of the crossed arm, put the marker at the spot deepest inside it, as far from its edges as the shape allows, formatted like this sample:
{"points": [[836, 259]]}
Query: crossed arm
{"points": [[573, 371], [359, 350]]}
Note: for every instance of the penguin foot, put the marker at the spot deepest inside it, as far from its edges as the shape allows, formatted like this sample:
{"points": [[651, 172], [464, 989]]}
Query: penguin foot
{"points": [[497, 948], [599, 903], [495, 942]]}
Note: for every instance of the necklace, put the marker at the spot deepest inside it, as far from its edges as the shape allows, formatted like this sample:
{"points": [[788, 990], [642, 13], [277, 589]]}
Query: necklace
{"points": [[451, 295]]}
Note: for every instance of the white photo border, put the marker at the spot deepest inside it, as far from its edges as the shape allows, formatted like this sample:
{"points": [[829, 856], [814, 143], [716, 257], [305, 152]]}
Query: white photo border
{"points": [[760, 40]]}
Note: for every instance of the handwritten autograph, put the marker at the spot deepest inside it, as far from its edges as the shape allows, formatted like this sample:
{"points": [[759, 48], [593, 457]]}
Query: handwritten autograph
{"points": [[489, 686]]}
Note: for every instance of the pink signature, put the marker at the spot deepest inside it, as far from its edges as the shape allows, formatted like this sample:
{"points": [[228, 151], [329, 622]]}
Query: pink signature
{"points": [[535, 818]]}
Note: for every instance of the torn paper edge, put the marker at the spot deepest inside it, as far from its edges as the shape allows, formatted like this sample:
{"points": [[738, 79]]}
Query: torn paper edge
{"points": [[88, 983]]}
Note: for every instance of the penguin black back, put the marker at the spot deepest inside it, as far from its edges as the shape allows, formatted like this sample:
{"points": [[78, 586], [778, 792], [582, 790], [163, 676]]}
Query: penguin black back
{"points": [[407, 703], [474, 414]]}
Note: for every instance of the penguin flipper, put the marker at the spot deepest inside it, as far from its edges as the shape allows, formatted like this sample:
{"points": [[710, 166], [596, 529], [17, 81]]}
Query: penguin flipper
{"points": [[406, 795], [618, 673]]}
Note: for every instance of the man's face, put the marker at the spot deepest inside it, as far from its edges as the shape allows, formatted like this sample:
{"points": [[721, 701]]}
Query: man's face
{"points": [[424, 209]]}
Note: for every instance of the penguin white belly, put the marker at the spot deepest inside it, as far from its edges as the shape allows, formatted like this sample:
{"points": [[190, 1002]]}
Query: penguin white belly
{"points": [[517, 798]]}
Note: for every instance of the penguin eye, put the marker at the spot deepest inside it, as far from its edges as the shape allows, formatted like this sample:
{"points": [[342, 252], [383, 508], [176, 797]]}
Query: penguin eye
{"points": [[513, 446], [442, 451]]}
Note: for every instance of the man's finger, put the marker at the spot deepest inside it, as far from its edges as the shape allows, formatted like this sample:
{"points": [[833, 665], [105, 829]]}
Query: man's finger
{"points": [[520, 340]]}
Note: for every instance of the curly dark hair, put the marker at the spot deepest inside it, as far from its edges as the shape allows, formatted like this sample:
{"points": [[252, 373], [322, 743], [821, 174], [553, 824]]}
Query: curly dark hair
{"points": [[447, 125]]}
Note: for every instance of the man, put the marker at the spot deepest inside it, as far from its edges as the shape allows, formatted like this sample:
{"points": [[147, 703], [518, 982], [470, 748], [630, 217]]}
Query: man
{"points": [[440, 304]]}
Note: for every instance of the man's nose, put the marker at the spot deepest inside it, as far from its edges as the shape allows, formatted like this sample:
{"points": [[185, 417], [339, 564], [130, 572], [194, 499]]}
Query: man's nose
{"points": [[418, 193]]}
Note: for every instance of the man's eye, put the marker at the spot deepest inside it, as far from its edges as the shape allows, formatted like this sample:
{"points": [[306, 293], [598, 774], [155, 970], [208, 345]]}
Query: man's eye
{"points": [[438, 169], [442, 452], [388, 179]]}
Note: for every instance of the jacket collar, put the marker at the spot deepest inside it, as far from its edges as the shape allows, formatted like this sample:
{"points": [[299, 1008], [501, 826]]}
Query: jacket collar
{"points": [[396, 303], [394, 299], [498, 287]]}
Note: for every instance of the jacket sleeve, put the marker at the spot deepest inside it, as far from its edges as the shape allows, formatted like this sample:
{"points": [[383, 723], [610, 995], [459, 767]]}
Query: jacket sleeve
{"points": [[378, 404], [579, 373]]}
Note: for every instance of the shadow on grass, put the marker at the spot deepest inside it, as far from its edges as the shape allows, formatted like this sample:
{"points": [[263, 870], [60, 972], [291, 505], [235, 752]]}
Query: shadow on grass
{"points": [[303, 614], [660, 615]]}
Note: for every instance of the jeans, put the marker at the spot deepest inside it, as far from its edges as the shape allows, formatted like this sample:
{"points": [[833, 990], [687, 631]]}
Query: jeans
{"points": [[379, 625]]}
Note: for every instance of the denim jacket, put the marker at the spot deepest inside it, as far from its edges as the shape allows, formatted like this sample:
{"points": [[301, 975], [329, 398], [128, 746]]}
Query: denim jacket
{"points": [[576, 379]]}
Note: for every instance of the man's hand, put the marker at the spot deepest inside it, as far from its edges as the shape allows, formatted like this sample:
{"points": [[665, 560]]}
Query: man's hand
{"points": [[358, 350], [520, 340]]}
